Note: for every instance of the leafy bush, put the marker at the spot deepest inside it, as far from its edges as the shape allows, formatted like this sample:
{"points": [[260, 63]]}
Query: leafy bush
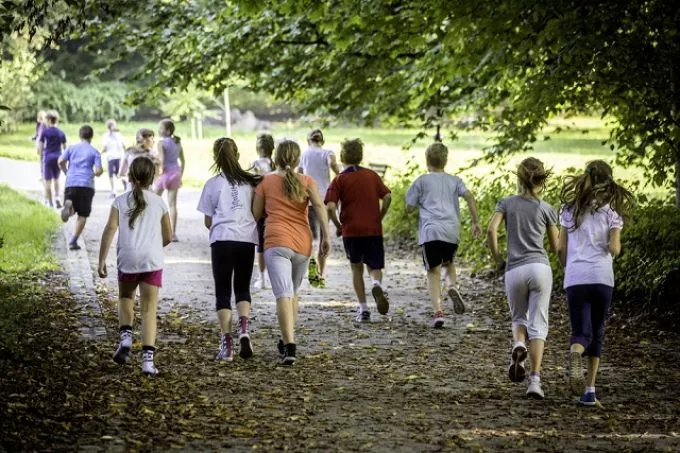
{"points": [[92, 101]]}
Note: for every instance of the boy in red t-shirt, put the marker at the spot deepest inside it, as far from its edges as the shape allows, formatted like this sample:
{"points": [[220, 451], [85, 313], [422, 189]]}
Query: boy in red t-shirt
{"points": [[359, 191]]}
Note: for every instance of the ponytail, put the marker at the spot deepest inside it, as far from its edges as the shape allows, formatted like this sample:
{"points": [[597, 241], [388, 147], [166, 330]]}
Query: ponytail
{"points": [[287, 157], [293, 187], [142, 171], [138, 205]]}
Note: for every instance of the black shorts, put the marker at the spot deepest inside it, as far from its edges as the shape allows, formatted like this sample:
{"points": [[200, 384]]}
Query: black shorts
{"points": [[81, 197], [114, 167], [436, 253], [260, 235], [368, 250]]}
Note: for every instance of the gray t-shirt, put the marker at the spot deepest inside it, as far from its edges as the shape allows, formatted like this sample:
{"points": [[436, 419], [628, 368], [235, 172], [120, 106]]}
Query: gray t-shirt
{"points": [[436, 194], [526, 220]]}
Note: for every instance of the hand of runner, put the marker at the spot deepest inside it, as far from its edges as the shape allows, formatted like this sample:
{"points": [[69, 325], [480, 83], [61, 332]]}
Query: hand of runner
{"points": [[500, 266], [476, 230], [102, 270], [325, 247]]}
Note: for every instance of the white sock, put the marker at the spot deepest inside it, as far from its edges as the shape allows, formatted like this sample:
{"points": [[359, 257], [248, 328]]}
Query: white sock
{"points": [[262, 276], [519, 343], [363, 307], [590, 389], [375, 282]]}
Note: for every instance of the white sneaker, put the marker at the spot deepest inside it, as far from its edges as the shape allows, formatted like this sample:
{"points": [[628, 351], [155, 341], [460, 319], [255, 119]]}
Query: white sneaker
{"points": [[534, 390], [259, 284], [148, 368], [122, 354]]}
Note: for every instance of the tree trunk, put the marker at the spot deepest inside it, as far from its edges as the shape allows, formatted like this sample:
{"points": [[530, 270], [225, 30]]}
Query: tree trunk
{"points": [[677, 181]]}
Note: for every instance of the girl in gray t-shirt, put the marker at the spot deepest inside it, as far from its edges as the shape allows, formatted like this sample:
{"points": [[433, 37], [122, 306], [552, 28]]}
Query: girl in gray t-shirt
{"points": [[528, 277]]}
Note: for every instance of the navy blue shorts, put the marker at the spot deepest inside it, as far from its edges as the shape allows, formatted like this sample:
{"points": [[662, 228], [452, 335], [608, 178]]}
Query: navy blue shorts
{"points": [[368, 250], [114, 167], [436, 253]]}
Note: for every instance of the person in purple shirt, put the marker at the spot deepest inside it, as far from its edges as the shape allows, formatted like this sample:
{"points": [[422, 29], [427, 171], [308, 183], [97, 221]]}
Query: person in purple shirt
{"points": [[171, 155], [51, 142], [81, 163]]}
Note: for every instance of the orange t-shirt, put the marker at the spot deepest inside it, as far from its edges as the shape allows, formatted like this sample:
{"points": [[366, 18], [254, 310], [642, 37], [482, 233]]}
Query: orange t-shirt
{"points": [[286, 224]]}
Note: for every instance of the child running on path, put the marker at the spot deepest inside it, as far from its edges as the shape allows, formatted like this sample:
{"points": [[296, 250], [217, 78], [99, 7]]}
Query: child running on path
{"points": [[317, 163], [590, 238], [528, 277], [171, 157], [284, 197], [261, 166], [436, 195], [114, 148], [145, 229], [81, 163], [143, 147], [51, 143], [226, 203], [359, 192]]}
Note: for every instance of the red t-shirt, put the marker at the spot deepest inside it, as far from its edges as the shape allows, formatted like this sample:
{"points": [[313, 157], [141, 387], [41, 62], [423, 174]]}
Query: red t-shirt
{"points": [[358, 191]]}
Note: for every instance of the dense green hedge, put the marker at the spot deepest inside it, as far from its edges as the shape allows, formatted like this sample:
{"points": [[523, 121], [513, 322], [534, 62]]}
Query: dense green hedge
{"points": [[648, 270]]}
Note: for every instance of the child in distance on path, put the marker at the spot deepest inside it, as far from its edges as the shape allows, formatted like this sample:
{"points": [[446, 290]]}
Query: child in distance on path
{"points": [[114, 148], [51, 143], [81, 163], [261, 166], [284, 196], [317, 162], [226, 203], [359, 192], [435, 195], [172, 164], [144, 227], [143, 147], [593, 205], [528, 276]]}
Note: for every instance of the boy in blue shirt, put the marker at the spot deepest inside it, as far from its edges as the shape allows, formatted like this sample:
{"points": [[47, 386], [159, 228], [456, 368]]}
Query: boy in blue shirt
{"points": [[81, 163]]}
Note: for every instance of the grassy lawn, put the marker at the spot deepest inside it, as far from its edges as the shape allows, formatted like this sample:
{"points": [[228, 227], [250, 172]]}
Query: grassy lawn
{"points": [[579, 141], [26, 228]]}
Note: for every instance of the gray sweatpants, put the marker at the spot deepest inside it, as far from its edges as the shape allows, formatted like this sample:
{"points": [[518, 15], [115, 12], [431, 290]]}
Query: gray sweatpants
{"points": [[528, 288], [286, 270]]}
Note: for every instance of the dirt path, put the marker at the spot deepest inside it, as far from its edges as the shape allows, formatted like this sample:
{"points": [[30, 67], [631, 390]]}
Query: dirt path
{"points": [[394, 385]]}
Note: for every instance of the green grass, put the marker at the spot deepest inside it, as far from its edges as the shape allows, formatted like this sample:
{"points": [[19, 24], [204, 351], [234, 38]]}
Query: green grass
{"points": [[579, 141], [27, 228]]}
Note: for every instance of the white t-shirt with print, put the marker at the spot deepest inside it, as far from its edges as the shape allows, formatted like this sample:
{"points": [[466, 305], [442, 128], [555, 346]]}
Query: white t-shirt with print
{"points": [[140, 249], [230, 208], [315, 162], [588, 259]]}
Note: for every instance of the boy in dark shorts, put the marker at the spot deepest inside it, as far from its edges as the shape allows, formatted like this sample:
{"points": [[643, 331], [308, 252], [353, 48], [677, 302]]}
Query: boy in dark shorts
{"points": [[359, 192], [51, 142], [436, 195], [81, 163]]}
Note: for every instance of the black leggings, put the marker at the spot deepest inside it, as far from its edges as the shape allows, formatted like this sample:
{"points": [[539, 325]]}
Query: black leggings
{"points": [[231, 258]]}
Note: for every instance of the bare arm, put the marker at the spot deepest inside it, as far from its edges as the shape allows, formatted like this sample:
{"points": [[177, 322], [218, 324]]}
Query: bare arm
{"points": [[258, 207], [166, 229], [62, 164], [320, 210], [123, 170], [333, 216], [181, 159], [562, 246], [333, 163], [615, 242], [386, 202], [207, 221], [553, 238], [472, 205], [107, 239], [161, 156], [39, 148], [492, 239]]}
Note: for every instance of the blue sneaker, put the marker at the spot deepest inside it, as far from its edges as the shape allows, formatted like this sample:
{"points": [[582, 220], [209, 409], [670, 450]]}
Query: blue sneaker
{"points": [[588, 399]]}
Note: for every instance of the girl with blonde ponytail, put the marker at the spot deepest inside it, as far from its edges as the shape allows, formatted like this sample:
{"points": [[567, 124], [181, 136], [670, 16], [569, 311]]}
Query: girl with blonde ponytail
{"points": [[145, 229], [284, 196]]}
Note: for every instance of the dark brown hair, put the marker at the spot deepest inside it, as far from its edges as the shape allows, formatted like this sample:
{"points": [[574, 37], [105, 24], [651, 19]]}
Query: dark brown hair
{"points": [[225, 154], [531, 174], [437, 155], [315, 136], [141, 174], [287, 158], [169, 127], [142, 134], [352, 151], [593, 189]]}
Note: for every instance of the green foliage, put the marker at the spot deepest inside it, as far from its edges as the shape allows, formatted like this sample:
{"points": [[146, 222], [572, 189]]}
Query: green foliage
{"points": [[92, 101]]}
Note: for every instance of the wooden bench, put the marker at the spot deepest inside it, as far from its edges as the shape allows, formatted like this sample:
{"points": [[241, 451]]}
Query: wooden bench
{"points": [[380, 169]]}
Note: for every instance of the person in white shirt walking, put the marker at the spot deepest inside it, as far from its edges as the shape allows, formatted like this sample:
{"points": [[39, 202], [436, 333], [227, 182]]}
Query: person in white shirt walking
{"points": [[113, 146], [317, 163], [262, 166]]}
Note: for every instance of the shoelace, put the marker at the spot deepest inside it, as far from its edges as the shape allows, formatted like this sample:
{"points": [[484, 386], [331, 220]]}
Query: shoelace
{"points": [[147, 356]]}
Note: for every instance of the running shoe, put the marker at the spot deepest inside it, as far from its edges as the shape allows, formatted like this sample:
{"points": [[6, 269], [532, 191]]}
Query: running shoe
{"points": [[381, 300], [588, 399], [148, 367], [281, 347], [438, 320], [67, 210], [363, 316], [246, 349], [534, 390], [289, 354], [576, 380], [226, 352], [313, 274], [57, 203], [74, 246], [122, 354], [457, 299], [517, 372]]}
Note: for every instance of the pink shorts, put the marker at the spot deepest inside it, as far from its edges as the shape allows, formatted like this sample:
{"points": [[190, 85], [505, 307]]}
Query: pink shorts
{"points": [[154, 278], [170, 179]]}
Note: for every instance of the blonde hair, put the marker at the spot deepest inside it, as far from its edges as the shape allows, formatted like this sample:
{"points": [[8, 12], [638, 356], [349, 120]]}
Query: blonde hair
{"points": [[111, 125], [437, 155], [287, 158], [352, 151], [315, 136]]}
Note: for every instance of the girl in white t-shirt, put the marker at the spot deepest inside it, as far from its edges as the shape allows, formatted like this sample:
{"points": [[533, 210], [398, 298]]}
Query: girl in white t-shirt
{"points": [[590, 237], [261, 166], [226, 204], [114, 147], [144, 227]]}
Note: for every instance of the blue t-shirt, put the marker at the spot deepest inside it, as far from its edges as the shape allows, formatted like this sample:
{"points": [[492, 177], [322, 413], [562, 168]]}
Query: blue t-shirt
{"points": [[52, 138], [81, 159]]}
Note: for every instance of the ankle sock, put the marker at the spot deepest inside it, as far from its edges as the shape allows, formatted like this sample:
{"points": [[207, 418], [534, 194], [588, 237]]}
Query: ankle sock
{"points": [[375, 282], [535, 375], [363, 307], [590, 389]]}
